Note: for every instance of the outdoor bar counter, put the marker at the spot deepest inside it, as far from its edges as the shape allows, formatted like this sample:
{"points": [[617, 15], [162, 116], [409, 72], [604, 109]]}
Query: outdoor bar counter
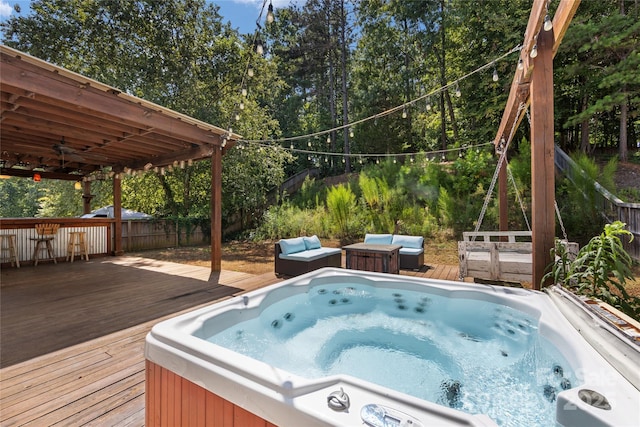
{"points": [[99, 236]]}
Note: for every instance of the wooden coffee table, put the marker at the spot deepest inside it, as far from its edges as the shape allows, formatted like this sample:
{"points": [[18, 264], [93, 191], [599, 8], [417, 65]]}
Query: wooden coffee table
{"points": [[369, 257]]}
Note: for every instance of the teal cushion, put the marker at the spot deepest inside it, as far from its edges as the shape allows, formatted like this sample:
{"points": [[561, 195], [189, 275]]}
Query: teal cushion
{"points": [[292, 246], [415, 242], [312, 242], [378, 239]]}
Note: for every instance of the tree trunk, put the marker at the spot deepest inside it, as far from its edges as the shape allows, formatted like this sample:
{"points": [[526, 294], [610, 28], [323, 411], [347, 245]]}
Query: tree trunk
{"points": [[345, 98], [443, 78], [584, 127], [332, 81], [624, 110], [452, 116]]}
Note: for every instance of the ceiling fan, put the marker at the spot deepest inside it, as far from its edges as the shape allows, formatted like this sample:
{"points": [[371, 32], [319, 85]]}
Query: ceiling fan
{"points": [[65, 151]]}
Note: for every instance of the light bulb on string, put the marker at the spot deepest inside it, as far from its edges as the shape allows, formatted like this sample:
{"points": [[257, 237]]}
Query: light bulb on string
{"points": [[548, 25], [270, 16], [237, 117], [458, 93], [429, 104], [495, 74], [350, 132], [241, 105], [244, 92], [404, 113], [520, 64], [250, 71], [534, 50], [259, 48]]}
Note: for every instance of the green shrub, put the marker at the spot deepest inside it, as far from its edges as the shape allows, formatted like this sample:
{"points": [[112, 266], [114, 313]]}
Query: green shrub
{"points": [[341, 204], [600, 269]]}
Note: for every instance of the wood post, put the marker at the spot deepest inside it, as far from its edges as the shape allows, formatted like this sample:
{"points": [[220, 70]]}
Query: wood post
{"points": [[216, 210], [117, 215], [502, 198], [542, 157]]}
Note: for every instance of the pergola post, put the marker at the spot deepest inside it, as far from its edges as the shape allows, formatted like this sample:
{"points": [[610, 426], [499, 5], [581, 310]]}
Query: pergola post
{"points": [[117, 215], [216, 210], [86, 197], [542, 157], [502, 197]]}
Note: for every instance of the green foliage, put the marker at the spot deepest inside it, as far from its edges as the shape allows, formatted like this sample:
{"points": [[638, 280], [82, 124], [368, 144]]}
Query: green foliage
{"points": [[286, 220], [19, 197], [470, 171], [578, 200], [600, 269], [341, 204]]}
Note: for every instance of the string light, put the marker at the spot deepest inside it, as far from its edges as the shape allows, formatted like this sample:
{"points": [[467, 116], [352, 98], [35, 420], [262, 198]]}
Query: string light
{"points": [[250, 71], [259, 48], [270, 16], [548, 25], [534, 51], [520, 64], [458, 93], [375, 117], [404, 113], [495, 74]]}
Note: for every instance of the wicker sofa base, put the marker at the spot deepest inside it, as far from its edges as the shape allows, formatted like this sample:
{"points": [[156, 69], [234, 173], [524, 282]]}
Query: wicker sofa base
{"points": [[411, 262], [287, 267]]}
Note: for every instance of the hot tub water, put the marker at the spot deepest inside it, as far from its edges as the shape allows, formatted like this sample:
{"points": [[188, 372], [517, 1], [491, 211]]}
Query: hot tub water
{"points": [[469, 354]]}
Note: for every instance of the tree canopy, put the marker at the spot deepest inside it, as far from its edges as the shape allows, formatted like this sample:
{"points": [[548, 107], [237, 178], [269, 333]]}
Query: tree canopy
{"points": [[341, 66]]}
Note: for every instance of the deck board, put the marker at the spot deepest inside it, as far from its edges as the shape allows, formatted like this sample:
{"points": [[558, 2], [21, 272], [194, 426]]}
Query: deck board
{"points": [[96, 376]]}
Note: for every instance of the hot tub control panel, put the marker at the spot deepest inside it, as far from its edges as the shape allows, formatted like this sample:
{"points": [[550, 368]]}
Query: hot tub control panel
{"points": [[382, 416]]}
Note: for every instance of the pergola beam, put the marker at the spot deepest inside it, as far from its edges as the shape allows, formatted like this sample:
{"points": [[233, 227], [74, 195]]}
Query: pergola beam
{"points": [[542, 165]]}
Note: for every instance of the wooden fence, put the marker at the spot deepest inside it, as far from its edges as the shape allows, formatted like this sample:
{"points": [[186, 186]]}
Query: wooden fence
{"points": [[610, 207], [156, 234]]}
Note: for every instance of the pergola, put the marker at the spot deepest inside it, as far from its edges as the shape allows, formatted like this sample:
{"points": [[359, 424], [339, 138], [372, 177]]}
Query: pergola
{"points": [[533, 84], [61, 125]]}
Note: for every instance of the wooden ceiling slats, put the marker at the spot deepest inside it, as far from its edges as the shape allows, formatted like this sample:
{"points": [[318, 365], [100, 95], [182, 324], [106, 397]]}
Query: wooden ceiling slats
{"points": [[41, 104]]}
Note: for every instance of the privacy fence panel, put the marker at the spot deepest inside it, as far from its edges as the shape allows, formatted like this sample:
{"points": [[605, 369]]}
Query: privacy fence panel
{"points": [[156, 234]]}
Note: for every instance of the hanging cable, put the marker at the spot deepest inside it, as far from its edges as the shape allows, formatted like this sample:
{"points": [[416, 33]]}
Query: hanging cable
{"points": [[503, 155], [390, 110]]}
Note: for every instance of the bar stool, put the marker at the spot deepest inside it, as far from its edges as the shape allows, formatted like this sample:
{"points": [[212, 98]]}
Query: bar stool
{"points": [[46, 234], [11, 247], [77, 240]]}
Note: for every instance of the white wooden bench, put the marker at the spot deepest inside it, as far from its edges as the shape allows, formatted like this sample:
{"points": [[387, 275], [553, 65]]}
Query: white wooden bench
{"points": [[493, 258], [496, 255]]}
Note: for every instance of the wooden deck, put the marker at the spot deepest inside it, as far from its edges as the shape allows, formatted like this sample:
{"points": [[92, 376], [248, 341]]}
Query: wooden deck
{"points": [[72, 334]]}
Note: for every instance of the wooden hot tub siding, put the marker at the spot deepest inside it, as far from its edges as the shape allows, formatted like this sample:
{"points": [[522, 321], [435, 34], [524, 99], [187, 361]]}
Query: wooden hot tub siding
{"points": [[174, 401]]}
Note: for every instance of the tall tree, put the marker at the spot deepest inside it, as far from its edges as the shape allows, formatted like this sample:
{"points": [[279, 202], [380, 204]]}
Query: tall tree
{"points": [[174, 53], [606, 36]]}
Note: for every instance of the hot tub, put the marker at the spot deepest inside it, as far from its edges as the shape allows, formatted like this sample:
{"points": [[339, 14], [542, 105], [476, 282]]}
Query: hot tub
{"points": [[349, 348]]}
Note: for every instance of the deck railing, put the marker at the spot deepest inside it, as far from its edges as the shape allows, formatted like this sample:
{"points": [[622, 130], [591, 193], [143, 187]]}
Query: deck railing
{"points": [[136, 235], [610, 207]]}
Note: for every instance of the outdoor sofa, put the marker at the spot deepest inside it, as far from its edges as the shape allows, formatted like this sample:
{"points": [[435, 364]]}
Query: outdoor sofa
{"points": [[301, 255], [411, 253]]}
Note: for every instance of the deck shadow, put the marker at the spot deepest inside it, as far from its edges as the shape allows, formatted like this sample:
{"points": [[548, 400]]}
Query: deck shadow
{"points": [[51, 307]]}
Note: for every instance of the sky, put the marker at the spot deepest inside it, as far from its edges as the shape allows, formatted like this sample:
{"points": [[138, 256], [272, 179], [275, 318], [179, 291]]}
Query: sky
{"points": [[242, 14]]}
